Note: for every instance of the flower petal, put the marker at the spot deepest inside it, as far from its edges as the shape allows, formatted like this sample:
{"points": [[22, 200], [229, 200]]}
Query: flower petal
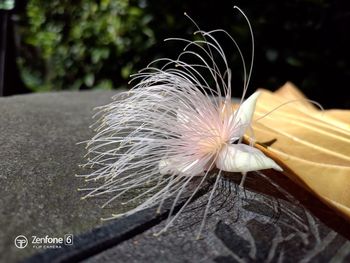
{"points": [[245, 112], [171, 166], [164, 166], [243, 158], [175, 166]]}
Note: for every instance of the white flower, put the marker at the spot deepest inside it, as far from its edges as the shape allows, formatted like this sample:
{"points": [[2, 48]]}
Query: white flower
{"points": [[177, 123], [214, 141]]}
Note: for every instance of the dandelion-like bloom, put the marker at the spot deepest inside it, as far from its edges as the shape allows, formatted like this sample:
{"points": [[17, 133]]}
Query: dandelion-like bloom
{"points": [[172, 126]]}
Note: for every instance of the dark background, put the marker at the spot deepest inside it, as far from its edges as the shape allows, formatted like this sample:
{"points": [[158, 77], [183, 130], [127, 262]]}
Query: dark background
{"points": [[85, 44]]}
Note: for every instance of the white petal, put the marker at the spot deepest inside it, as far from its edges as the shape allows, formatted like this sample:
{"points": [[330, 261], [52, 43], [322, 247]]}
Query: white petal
{"points": [[186, 168], [245, 111], [243, 158], [164, 166], [169, 166]]}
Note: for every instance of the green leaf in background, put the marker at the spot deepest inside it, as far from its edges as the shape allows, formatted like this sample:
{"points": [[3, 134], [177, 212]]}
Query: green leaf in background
{"points": [[82, 44]]}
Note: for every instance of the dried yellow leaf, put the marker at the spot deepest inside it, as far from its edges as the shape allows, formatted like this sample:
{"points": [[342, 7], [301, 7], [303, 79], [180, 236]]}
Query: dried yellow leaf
{"points": [[313, 146]]}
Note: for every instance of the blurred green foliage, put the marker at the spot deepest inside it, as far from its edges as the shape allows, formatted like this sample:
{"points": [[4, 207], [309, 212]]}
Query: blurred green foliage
{"points": [[82, 44], [97, 44]]}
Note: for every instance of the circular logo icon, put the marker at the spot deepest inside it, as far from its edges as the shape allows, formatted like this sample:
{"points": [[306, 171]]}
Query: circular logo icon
{"points": [[21, 241]]}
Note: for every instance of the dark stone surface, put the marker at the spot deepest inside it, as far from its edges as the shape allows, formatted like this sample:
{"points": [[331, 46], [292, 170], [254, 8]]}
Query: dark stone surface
{"points": [[39, 158], [38, 196], [100, 238], [243, 226]]}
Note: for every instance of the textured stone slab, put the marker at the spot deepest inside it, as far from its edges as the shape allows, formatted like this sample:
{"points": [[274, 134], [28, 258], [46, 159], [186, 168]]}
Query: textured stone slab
{"points": [[256, 225], [39, 158]]}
